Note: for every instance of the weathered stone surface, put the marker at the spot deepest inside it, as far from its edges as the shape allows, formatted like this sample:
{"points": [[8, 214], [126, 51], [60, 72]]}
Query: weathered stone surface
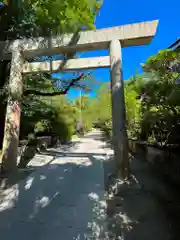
{"points": [[13, 114], [70, 65], [130, 35], [118, 109]]}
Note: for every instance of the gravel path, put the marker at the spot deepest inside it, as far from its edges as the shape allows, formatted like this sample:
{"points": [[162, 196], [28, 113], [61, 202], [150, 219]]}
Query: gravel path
{"points": [[62, 199]]}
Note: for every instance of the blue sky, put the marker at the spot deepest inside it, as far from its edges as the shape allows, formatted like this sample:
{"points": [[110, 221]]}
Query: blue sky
{"points": [[117, 12]]}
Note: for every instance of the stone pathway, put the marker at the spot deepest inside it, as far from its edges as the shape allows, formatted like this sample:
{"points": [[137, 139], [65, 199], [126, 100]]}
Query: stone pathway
{"points": [[62, 199]]}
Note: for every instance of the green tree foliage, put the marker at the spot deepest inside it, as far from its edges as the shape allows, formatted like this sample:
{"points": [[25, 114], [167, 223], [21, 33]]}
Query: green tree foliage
{"points": [[68, 15], [103, 102], [37, 17], [132, 111], [158, 91], [161, 100], [54, 116], [48, 114], [102, 106], [152, 101], [26, 18], [64, 120], [85, 111], [103, 110]]}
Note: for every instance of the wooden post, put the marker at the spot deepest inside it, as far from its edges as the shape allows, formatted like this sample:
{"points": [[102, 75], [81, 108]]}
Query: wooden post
{"points": [[13, 112], [118, 110]]}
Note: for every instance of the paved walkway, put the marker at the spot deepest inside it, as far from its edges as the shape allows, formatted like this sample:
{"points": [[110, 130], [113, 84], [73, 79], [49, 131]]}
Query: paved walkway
{"points": [[63, 199]]}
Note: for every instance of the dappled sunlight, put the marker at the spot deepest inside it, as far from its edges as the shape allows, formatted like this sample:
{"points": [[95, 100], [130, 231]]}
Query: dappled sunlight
{"points": [[39, 160], [97, 228], [42, 177], [10, 196], [99, 157], [29, 183], [63, 196], [60, 178], [77, 161], [42, 202], [126, 221], [93, 196], [133, 208]]}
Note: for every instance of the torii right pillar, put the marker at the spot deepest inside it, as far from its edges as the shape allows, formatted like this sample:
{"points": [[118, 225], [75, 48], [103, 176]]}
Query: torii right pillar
{"points": [[133, 35], [120, 140]]}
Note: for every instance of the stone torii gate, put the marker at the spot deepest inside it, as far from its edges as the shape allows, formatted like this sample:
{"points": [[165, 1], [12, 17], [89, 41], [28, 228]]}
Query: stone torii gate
{"points": [[111, 38]]}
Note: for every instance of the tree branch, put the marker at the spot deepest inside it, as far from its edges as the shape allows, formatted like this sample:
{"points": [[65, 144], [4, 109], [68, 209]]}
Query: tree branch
{"points": [[63, 92]]}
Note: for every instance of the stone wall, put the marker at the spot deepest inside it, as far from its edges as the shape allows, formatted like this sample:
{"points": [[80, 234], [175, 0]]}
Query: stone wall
{"points": [[165, 160], [27, 149]]}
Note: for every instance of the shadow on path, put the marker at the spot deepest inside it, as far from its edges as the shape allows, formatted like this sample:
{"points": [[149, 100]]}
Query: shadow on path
{"points": [[59, 200], [135, 211]]}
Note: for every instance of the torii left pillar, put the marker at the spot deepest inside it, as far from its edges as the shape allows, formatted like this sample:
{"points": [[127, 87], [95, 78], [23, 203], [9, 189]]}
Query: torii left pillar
{"points": [[13, 113]]}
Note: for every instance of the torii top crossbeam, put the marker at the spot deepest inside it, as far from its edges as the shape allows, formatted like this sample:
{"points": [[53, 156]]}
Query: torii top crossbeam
{"points": [[129, 35]]}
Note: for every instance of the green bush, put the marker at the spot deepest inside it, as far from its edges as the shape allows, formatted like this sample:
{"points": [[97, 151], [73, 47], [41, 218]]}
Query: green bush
{"points": [[63, 130], [106, 127]]}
